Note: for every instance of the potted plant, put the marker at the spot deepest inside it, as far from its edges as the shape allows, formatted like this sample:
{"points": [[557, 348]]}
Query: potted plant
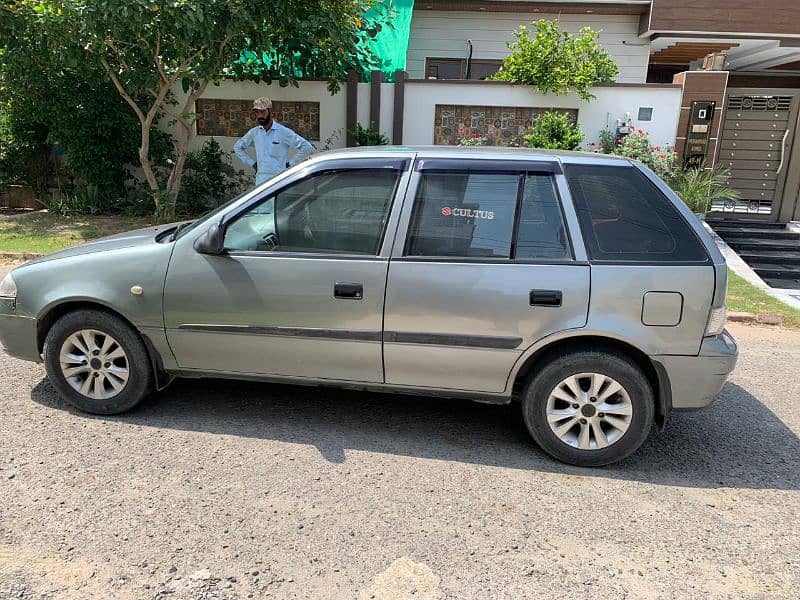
{"points": [[367, 136], [699, 187]]}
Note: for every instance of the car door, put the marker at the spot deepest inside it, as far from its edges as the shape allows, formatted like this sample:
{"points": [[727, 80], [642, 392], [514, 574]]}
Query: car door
{"points": [[485, 268], [299, 288]]}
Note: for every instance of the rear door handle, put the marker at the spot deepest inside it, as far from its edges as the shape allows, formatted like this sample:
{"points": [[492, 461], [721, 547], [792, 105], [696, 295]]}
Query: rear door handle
{"points": [[349, 291], [545, 298]]}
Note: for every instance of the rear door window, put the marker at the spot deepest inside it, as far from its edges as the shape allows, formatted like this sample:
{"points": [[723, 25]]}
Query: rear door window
{"points": [[464, 215], [489, 215], [624, 217]]}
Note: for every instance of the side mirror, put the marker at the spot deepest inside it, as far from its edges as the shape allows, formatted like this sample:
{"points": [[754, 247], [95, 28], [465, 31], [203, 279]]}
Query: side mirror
{"points": [[212, 241]]}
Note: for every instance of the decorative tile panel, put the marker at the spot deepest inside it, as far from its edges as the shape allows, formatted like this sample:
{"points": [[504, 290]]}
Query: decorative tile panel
{"points": [[233, 118]]}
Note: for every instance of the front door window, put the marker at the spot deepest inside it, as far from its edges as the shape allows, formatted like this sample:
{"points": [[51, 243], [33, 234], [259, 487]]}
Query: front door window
{"points": [[342, 212]]}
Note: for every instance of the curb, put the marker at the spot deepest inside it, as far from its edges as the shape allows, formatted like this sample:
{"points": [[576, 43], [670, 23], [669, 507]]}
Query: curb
{"points": [[20, 255], [22, 215], [746, 317]]}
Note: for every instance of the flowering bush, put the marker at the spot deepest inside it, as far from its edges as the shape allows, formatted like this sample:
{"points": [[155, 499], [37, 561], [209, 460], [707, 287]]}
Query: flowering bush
{"points": [[608, 142], [637, 146], [473, 140]]}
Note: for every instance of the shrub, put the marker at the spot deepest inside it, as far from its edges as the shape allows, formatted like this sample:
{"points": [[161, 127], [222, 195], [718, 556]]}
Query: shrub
{"points": [[329, 142], [699, 187], [209, 179], [554, 131], [83, 200], [369, 136], [557, 61]]}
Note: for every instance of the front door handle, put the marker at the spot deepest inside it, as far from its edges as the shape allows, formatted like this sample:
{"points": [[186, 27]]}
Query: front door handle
{"points": [[349, 291], [545, 297]]}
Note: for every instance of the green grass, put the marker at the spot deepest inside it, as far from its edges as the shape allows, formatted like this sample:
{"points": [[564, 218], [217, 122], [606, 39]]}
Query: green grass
{"points": [[42, 233], [745, 297]]}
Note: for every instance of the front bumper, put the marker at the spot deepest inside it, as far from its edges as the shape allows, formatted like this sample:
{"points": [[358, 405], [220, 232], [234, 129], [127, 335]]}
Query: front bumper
{"points": [[696, 380], [18, 333]]}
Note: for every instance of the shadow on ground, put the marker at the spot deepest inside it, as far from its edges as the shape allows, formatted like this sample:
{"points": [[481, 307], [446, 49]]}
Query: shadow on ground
{"points": [[738, 442]]}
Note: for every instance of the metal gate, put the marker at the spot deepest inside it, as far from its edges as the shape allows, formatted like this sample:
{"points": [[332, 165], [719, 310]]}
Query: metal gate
{"points": [[755, 144]]}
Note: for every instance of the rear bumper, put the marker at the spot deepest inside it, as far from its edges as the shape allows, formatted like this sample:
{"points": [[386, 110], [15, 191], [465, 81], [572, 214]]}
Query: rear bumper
{"points": [[18, 333], [696, 380]]}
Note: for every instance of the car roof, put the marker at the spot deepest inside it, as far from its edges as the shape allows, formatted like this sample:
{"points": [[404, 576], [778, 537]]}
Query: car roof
{"points": [[481, 152]]}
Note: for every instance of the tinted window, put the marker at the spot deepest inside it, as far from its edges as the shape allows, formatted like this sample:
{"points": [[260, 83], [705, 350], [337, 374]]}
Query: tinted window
{"points": [[483, 69], [541, 232], [464, 215], [625, 217], [339, 212], [444, 68]]}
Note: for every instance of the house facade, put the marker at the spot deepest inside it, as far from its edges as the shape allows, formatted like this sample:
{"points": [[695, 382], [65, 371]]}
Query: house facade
{"points": [[441, 41], [737, 63]]}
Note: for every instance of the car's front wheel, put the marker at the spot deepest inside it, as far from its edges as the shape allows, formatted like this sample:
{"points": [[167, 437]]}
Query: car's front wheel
{"points": [[97, 362], [589, 408]]}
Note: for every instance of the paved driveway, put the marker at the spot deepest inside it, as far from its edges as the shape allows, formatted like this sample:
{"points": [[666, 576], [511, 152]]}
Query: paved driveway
{"points": [[237, 490]]}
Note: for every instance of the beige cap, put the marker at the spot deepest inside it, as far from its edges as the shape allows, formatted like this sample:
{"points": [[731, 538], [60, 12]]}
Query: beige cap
{"points": [[262, 103]]}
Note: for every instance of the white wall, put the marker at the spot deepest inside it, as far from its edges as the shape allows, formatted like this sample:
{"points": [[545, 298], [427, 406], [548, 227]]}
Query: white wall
{"points": [[387, 110], [418, 121], [612, 103], [386, 116], [440, 34], [362, 108]]}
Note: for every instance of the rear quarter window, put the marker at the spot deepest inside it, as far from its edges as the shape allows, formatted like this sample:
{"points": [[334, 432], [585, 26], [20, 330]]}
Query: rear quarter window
{"points": [[624, 217]]}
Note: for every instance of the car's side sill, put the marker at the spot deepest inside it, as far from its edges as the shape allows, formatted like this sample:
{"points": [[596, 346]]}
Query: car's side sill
{"points": [[482, 397]]}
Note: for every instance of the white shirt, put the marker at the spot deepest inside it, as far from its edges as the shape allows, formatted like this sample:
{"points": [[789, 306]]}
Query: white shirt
{"points": [[272, 149]]}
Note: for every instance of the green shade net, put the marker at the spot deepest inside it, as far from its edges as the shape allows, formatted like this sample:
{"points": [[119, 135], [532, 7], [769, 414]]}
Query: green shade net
{"points": [[390, 46]]}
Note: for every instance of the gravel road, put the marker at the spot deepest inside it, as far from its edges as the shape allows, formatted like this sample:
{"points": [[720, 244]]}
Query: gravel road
{"points": [[238, 490]]}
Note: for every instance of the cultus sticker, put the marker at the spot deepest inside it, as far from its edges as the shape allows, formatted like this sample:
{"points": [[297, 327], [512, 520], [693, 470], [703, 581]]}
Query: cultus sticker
{"points": [[468, 212]]}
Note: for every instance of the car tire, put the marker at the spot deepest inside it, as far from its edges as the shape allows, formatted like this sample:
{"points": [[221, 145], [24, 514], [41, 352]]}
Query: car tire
{"points": [[597, 425], [96, 345]]}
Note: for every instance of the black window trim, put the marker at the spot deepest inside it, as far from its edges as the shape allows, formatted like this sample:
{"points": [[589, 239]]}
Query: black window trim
{"points": [[478, 165], [489, 260], [522, 175], [629, 262], [564, 223], [399, 165]]}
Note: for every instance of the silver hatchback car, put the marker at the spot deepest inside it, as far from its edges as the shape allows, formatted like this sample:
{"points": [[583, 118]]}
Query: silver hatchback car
{"points": [[576, 284]]}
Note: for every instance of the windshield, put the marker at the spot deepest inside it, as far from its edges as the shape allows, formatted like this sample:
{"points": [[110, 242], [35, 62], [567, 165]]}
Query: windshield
{"points": [[209, 215]]}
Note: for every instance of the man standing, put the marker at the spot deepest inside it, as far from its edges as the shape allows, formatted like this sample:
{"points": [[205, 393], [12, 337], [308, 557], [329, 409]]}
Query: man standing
{"points": [[272, 142]]}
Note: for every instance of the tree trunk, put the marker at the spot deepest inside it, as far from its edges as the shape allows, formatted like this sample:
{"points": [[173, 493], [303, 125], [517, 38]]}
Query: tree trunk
{"points": [[182, 147], [146, 123]]}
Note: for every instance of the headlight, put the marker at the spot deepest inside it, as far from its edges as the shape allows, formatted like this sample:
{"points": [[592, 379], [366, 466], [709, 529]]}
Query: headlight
{"points": [[8, 289]]}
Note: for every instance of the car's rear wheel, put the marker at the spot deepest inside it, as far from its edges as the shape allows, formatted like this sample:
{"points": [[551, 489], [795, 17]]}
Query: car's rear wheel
{"points": [[589, 408], [97, 362]]}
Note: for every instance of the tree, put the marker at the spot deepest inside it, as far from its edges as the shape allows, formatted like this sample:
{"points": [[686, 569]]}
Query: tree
{"points": [[557, 61], [44, 102], [147, 48]]}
